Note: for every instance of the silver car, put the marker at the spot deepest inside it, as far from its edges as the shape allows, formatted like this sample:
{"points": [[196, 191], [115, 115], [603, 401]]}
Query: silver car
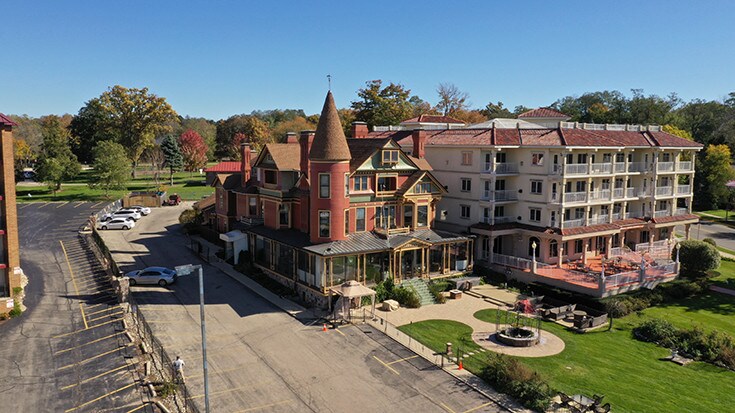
{"points": [[152, 275], [118, 223], [141, 209]]}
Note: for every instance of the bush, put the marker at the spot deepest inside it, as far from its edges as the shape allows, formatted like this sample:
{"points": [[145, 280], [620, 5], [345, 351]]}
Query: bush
{"points": [[189, 216], [696, 258], [624, 304], [437, 290], [657, 331], [710, 241], [406, 297], [508, 375]]}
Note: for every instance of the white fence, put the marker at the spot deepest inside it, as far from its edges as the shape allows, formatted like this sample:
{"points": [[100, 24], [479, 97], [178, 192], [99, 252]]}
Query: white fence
{"points": [[510, 261], [623, 278]]}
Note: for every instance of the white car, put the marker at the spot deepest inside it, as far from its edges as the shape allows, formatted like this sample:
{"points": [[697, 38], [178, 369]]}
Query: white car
{"points": [[141, 209], [123, 213], [118, 223], [152, 275]]}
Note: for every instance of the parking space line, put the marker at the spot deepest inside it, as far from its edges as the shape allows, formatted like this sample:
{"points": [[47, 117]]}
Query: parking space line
{"points": [[44, 204], [95, 377], [100, 398], [252, 409], [403, 359], [86, 344], [101, 202], [80, 203], [138, 408], [25, 206], [74, 282], [337, 330], [101, 311], [79, 331], [87, 360], [387, 366], [446, 408], [106, 315], [478, 407], [62, 204]]}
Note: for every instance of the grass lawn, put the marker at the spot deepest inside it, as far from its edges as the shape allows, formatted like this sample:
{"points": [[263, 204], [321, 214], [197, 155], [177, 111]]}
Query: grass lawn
{"points": [[725, 275], [612, 363], [716, 212]]}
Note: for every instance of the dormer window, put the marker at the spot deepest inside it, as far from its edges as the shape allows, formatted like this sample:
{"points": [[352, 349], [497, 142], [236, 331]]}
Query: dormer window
{"points": [[422, 188], [390, 156], [271, 177]]}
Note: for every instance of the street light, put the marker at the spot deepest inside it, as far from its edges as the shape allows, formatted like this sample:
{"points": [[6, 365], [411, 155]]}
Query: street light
{"points": [[533, 247], [186, 270]]}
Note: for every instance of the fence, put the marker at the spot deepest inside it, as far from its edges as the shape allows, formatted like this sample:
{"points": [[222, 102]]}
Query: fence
{"points": [[623, 278], [510, 261]]}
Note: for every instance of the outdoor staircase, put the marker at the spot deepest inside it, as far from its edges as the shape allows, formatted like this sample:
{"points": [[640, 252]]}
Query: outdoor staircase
{"points": [[422, 290]]}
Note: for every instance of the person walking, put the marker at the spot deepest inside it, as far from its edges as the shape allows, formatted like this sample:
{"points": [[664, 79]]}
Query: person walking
{"points": [[178, 365]]}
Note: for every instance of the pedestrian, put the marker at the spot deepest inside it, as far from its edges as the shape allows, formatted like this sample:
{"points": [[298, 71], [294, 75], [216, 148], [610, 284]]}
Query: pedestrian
{"points": [[178, 365]]}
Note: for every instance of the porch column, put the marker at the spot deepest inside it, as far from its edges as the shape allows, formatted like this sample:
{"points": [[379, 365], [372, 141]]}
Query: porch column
{"points": [[687, 230], [561, 255], [609, 246], [584, 252], [650, 240], [622, 239], [492, 247]]}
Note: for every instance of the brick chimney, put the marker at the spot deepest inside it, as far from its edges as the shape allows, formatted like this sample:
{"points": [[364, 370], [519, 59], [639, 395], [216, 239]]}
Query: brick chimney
{"points": [[245, 167], [419, 140], [359, 130], [291, 137], [305, 140]]}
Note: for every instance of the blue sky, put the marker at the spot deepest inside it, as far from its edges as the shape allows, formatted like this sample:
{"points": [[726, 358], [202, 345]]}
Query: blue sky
{"points": [[220, 58]]}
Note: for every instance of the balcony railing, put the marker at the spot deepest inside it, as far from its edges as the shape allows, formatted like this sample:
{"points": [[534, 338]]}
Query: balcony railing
{"points": [[601, 168], [618, 193], [685, 166], [637, 167], [664, 191], [619, 215], [601, 194], [504, 220], [665, 167], [575, 197], [683, 189], [619, 167], [500, 195], [599, 219], [510, 261], [662, 213], [575, 169], [644, 192], [681, 211], [573, 223], [506, 168], [630, 193]]}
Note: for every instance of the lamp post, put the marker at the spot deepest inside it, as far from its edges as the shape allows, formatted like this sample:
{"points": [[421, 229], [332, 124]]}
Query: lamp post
{"points": [[678, 246], [186, 270], [533, 255]]}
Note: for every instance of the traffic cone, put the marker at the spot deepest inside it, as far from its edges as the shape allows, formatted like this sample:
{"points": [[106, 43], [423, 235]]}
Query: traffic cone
{"points": [[324, 328], [460, 365]]}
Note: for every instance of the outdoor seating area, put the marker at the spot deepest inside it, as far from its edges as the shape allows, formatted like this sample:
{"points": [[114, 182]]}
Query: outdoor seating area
{"points": [[580, 316]]}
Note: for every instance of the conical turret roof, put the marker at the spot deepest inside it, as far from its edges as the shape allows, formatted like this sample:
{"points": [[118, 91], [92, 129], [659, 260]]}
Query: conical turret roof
{"points": [[329, 143]]}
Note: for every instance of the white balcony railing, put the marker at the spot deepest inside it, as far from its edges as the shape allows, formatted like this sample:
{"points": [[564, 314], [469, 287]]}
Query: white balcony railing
{"points": [[618, 193], [662, 213], [500, 196], [601, 168], [685, 166], [575, 197], [575, 169], [665, 167], [683, 189], [681, 211], [506, 168], [573, 223], [510, 261], [637, 167], [599, 219], [619, 167], [664, 191], [504, 220], [601, 194], [630, 193]]}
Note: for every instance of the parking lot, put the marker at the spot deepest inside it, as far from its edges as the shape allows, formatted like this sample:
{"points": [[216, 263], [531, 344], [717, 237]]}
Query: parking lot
{"points": [[262, 359]]}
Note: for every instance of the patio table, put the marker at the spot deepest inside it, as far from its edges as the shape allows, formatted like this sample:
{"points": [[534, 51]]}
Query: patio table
{"points": [[579, 315]]}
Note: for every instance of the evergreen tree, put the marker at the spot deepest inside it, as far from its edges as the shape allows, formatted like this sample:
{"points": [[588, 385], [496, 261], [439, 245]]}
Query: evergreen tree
{"points": [[173, 160]]}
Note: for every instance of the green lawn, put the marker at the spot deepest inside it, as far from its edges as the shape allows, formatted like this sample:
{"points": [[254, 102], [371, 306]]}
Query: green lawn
{"points": [[725, 275], [717, 212], [612, 363]]}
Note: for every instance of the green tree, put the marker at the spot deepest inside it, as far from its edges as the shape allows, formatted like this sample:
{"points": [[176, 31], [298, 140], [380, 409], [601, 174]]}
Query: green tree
{"points": [[256, 130], [173, 160], [135, 117], [111, 168], [380, 105], [497, 110], [23, 155], [90, 126], [451, 99], [296, 124], [56, 161], [677, 132], [697, 257], [713, 173]]}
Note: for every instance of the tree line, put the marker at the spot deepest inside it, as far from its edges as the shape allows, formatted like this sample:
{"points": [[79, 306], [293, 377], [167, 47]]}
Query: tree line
{"points": [[145, 127]]}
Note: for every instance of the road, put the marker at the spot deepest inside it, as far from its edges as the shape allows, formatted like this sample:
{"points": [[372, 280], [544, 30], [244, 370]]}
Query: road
{"points": [[722, 234], [66, 352], [262, 359]]}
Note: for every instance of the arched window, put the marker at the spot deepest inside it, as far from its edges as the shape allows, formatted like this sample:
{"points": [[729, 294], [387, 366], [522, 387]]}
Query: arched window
{"points": [[553, 248]]}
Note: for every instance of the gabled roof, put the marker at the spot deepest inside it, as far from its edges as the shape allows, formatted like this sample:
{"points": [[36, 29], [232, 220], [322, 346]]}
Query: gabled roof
{"points": [[286, 156], [228, 181], [433, 119], [329, 143], [361, 149], [544, 113], [4, 120], [205, 203], [415, 178], [227, 166]]}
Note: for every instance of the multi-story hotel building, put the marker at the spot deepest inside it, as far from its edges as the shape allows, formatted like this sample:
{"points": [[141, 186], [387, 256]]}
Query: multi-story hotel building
{"points": [[559, 198], [10, 271]]}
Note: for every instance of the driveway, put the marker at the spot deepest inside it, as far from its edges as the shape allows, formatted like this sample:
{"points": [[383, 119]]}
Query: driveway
{"points": [[262, 359], [722, 234]]}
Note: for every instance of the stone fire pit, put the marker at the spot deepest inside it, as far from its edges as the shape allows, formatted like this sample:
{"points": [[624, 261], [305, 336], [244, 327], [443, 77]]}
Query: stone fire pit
{"points": [[517, 337]]}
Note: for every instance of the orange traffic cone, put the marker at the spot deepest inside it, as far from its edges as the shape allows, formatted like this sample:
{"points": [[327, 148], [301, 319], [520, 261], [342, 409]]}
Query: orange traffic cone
{"points": [[460, 365], [324, 328]]}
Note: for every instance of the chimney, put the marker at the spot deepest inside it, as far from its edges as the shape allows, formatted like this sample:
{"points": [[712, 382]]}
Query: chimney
{"points": [[359, 130], [245, 167], [291, 137], [419, 140], [305, 140]]}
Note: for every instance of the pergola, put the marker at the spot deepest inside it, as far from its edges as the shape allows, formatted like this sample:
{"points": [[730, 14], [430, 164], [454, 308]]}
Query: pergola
{"points": [[349, 290]]}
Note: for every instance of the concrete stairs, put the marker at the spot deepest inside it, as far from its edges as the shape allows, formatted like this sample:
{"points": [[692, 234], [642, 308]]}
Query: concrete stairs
{"points": [[422, 290]]}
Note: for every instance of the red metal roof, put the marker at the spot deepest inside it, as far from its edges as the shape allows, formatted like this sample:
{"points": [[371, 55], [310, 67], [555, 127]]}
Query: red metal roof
{"points": [[228, 166], [4, 120], [543, 113], [433, 119]]}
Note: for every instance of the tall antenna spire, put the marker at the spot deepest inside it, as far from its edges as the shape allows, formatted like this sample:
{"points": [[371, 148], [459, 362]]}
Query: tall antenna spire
{"points": [[329, 80]]}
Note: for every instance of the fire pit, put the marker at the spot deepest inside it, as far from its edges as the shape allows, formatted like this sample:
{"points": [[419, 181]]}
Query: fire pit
{"points": [[518, 337]]}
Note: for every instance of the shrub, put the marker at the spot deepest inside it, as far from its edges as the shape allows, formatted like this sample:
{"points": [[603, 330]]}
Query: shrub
{"points": [[510, 376], [657, 331], [189, 216], [710, 241], [697, 257], [406, 297], [437, 290], [624, 304]]}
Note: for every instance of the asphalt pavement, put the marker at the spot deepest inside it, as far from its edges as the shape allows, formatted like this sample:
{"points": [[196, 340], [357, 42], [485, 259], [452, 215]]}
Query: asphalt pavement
{"points": [[262, 359], [66, 352], [722, 234]]}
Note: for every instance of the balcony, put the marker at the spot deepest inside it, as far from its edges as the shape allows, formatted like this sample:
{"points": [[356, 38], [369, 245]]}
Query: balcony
{"points": [[665, 167], [573, 223], [506, 168], [662, 213], [601, 168], [643, 192], [665, 191], [619, 168], [575, 197], [630, 193], [618, 193], [638, 167], [681, 211], [599, 219], [500, 196], [683, 189], [619, 216], [575, 169], [603, 194], [498, 220], [685, 166]]}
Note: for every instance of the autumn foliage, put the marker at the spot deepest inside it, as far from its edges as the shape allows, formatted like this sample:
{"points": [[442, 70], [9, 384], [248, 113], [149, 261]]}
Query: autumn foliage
{"points": [[193, 150]]}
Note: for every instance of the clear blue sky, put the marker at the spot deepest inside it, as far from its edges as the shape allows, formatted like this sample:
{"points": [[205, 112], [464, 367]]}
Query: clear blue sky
{"points": [[219, 58]]}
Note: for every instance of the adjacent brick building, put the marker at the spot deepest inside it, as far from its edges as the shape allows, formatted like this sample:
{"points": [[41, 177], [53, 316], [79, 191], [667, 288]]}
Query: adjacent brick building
{"points": [[10, 272]]}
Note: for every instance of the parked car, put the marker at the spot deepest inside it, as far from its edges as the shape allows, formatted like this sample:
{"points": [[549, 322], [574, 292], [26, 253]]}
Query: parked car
{"points": [[174, 199], [122, 213], [141, 209], [118, 223], [152, 275]]}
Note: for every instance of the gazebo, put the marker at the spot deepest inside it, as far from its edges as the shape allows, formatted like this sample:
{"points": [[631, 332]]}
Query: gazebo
{"points": [[351, 290]]}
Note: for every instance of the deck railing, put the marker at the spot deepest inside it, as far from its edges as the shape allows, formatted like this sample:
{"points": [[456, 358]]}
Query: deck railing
{"points": [[575, 197], [510, 261], [665, 167], [575, 169]]}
